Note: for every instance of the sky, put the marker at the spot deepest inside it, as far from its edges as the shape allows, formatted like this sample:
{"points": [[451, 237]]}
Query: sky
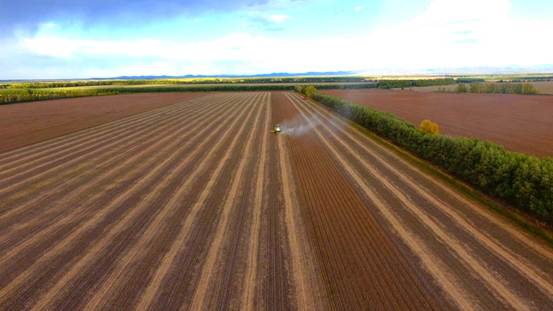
{"points": [[63, 39]]}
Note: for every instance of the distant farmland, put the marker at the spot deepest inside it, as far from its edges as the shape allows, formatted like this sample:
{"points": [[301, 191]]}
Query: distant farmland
{"points": [[192, 203], [543, 87], [24, 124], [519, 122]]}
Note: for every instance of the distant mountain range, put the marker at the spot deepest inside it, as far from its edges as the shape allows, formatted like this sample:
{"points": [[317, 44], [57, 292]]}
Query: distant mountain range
{"points": [[265, 75], [469, 70], [476, 70]]}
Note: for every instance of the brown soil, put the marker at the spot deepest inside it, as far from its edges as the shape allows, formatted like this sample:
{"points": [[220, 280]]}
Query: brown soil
{"points": [[360, 263], [155, 210], [520, 123], [28, 123], [197, 205], [475, 258]]}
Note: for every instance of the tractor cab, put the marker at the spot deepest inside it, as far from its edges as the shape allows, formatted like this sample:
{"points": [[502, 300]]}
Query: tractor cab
{"points": [[276, 128]]}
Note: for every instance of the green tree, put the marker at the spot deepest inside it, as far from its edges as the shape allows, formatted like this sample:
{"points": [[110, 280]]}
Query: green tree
{"points": [[430, 127], [309, 91], [461, 88]]}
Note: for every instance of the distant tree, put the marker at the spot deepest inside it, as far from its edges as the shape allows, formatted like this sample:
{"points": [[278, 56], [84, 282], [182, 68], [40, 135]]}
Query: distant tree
{"points": [[476, 87], [430, 127], [489, 88], [529, 89], [309, 91], [461, 88]]}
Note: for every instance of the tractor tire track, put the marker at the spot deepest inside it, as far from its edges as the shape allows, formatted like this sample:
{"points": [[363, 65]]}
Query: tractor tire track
{"points": [[120, 198], [146, 233], [63, 145], [220, 255], [33, 151], [14, 208], [131, 166], [498, 286], [48, 169], [275, 278], [196, 205], [504, 232], [480, 243], [247, 301], [205, 205], [346, 236]]}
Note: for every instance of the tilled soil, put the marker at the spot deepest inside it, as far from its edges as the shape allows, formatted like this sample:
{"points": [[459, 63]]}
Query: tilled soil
{"points": [[197, 205], [519, 122], [179, 207], [28, 123]]}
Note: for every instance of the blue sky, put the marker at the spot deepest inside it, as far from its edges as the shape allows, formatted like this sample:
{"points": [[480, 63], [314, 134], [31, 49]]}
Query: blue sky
{"points": [[79, 39]]}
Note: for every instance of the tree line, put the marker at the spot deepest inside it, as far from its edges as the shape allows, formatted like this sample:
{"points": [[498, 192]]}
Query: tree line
{"points": [[522, 180], [391, 84], [497, 88], [82, 83], [16, 95]]}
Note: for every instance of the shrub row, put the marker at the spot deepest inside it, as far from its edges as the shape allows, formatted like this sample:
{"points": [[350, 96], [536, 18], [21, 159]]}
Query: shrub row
{"points": [[15, 95], [389, 84], [519, 179], [231, 87], [26, 95], [187, 81], [498, 88]]}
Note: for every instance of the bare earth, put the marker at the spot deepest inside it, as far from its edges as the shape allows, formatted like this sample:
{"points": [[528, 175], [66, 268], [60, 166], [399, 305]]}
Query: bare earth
{"points": [[518, 122], [27, 123], [197, 205]]}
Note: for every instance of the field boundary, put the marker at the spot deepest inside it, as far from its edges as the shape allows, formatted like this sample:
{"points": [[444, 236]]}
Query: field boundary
{"points": [[529, 223], [23, 95]]}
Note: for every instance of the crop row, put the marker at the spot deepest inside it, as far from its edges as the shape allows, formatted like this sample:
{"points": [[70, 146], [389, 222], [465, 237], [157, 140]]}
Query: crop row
{"points": [[522, 180], [15, 95]]}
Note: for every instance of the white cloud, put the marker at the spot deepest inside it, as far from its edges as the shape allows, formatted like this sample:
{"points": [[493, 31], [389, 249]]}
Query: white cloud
{"points": [[277, 18], [447, 34], [358, 8], [452, 33]]}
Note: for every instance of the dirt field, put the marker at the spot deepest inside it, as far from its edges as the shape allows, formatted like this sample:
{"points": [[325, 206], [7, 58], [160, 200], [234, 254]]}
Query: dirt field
{"points": [[543, 87], [518, 122], [198, 206], [27, 123]]}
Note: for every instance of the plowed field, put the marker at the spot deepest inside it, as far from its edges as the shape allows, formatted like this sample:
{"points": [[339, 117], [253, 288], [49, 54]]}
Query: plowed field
{"points": [[27, 123], [519, 122], [197, 205]]}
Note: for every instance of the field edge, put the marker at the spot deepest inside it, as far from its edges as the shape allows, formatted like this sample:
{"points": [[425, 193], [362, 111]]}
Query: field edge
{"points": [[521, 220]]}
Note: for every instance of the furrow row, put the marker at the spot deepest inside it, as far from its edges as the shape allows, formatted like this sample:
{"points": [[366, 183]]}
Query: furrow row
{"points": [[170, 284], [49, 209], [83, 150], [118, 207], [45, 148], [474, 259], [80, 175], [435, 211]]}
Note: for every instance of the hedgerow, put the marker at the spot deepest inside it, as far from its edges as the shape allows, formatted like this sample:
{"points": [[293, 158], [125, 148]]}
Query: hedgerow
{"points": [[10, 96], [503, 88], [15, 95], [389, 84], [522, 180]]}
